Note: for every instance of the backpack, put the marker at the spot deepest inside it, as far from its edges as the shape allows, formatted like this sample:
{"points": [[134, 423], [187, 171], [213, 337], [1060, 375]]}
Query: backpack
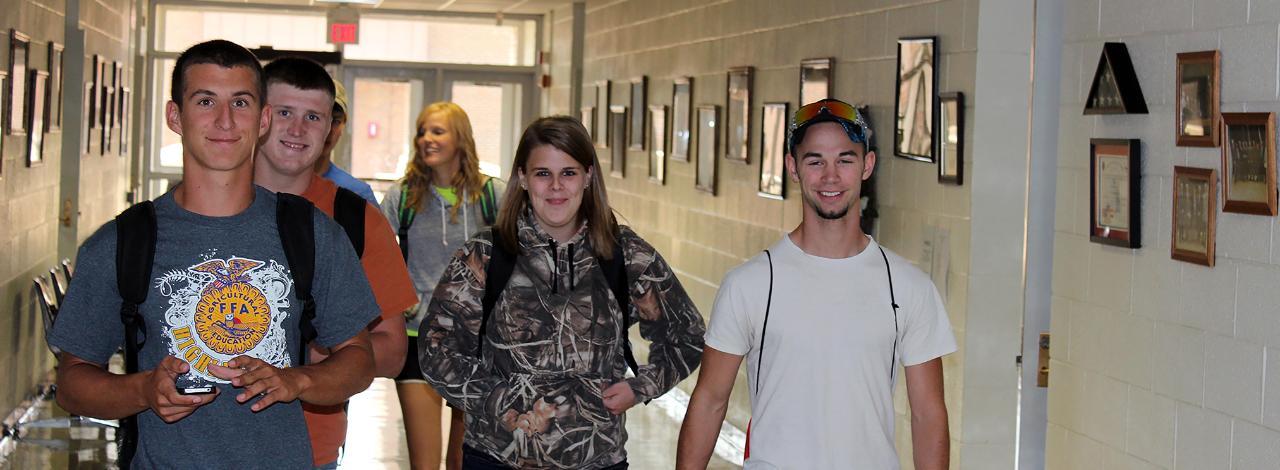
{"points": [[136, 230], [488, 211], [348, 211], [503, 262]]}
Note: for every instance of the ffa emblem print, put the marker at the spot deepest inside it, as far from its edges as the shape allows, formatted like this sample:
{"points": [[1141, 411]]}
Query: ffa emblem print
{"points": [[223, 308]]}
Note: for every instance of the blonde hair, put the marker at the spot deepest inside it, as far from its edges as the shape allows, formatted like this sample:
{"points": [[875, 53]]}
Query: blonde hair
{"points": [[418, 176], [567, 135]]}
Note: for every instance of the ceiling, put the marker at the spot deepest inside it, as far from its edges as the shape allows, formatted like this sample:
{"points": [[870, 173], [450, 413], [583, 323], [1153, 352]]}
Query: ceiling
{"points": [[536, 7]]}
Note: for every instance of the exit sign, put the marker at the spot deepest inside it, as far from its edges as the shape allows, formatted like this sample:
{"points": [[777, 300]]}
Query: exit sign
{"points": [[344, 33]]}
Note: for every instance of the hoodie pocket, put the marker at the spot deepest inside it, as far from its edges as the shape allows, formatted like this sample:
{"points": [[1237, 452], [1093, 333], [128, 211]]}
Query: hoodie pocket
{"points": [[562, 418]]}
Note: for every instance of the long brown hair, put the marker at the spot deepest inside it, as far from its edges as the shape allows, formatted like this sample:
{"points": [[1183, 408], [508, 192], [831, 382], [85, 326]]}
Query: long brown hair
{"points": [[418, 176], [567, 135]]}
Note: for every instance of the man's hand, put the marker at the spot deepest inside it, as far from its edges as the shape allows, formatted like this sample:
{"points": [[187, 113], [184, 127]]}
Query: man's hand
{"points": [[163, 398], [619, 397], [258, 378]]}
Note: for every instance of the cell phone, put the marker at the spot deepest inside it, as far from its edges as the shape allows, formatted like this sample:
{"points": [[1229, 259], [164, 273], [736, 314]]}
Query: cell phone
{"points": [[191, 385]]}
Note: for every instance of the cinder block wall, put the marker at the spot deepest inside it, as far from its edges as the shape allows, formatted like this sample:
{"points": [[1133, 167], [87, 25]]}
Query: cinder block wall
{"points": [[29, 205], [1159, 363], [703, 236]]}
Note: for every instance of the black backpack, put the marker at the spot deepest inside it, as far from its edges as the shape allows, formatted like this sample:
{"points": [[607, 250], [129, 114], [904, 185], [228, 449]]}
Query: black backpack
{"points": [[488, 211], [136, 230], [503, 262]]}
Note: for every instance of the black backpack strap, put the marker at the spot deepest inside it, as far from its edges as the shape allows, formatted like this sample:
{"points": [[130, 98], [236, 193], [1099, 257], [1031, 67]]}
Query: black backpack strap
{"points": [[496, 275], [297, 237], [406, 220], [348, 211], [615, 272], [893, 301], [765, 327], [136, 231], [489, 203]]}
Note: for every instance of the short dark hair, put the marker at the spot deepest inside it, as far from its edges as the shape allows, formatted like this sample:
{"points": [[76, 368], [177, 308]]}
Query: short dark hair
{"points": [[301, 73], [219, 52]]}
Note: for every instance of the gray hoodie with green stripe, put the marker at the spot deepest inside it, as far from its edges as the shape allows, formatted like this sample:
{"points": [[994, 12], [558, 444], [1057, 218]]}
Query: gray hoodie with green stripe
{"points": [[433, 239]]}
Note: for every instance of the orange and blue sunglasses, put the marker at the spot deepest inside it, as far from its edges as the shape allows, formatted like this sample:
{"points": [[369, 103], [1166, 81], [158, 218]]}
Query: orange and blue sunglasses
{"points": [[832, 110]]}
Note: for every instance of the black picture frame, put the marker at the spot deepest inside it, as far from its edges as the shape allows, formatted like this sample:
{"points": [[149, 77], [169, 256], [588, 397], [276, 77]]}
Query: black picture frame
{"points": [[16, 93], [53, 113], [708, 148], [658, 144], [635, 129], [951, 138], [89, 97], [915, 103], [773, 149], [1115, 88], [1115, 192], [681, 118], [618, 142], [737, 117], [816, 77], [39, 80]]}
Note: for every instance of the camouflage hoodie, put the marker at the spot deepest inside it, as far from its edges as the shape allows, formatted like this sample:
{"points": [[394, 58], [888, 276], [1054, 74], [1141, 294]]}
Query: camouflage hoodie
{"points": [[553, 344]]}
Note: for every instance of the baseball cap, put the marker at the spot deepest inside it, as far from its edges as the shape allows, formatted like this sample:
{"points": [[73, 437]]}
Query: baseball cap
{"points": [[340, 96]]}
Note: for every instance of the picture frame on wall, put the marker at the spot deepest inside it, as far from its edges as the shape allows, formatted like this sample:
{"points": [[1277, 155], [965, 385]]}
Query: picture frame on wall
{"points": [[16, 93], [708, 148], [1115, 192], [635, 131], [95, 70], [658, 144], [1197, 91], [1114, 88], [773, 150], [951, 141], [35, 126], [602, 118], [1195, 195], [110, 105], [681, 118], [125, 107], [587, 115], [1249, 163], [915, 100], [88, 100], [738, 115], [618, 141], [53, 112], [4, 81], [815, 79]]}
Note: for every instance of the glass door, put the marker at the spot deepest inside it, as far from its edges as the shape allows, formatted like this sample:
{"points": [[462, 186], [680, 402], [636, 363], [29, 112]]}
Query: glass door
{"points": [[500, 105], [385, 103]]}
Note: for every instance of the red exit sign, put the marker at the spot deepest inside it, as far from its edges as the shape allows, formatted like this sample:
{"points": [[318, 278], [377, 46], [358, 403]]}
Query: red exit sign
{"points": [[344, 33]]}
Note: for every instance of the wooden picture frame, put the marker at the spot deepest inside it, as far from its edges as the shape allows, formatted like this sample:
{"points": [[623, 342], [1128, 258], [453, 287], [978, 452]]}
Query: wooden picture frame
{"points": [[1195, 194], [16, 93], [602, 118], [88, 99], [681, 118], [737, 115], [39, 80], [658, 144], [773, 149], [915, 99], [1115, 192], [951, 138], [618, 141], [125, 110], [708, 148], [1196, 106], [1249, 163], [635, 129], [816, 76], [1115, 88], [587, 116], [53, 112]]}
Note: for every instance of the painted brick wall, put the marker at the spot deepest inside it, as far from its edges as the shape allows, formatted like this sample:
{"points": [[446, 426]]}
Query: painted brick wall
{"points": [[1159, 363], [704, 236], [29, 206]]}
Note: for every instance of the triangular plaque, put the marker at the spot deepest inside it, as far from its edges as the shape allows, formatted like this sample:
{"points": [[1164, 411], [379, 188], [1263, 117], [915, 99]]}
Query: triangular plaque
{"points": [[1115, 88]]}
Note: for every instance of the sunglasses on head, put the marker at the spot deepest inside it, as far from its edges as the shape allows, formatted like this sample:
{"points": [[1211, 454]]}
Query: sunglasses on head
{"points": [[835, 108]]}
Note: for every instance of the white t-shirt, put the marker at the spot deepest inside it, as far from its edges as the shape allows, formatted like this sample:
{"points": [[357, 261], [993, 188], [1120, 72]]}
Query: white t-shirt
{"points": [[823, 397]]}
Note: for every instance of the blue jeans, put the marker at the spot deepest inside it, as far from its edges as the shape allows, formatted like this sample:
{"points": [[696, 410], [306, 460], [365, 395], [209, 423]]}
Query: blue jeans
{"points": [[474, 459]]}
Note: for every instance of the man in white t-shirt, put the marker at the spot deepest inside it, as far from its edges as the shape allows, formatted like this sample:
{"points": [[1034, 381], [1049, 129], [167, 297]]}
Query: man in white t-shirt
{"points": [[823, 318]]}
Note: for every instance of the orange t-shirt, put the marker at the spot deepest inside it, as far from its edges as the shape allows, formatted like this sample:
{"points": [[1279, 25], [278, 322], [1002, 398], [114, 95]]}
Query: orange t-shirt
{"points": [[392, 288]]}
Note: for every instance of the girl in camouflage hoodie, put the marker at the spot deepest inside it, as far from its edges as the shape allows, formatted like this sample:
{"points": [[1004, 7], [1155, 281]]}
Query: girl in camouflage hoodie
{"points": [[548, 389]]}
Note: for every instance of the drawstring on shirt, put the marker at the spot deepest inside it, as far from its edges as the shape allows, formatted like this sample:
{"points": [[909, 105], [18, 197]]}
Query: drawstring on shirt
{"points": [[555, 265], [444, 222], [570, 267]]}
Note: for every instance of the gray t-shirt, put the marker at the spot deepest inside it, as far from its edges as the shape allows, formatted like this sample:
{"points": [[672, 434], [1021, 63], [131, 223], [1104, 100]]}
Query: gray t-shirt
{"points": [[220, 287]]}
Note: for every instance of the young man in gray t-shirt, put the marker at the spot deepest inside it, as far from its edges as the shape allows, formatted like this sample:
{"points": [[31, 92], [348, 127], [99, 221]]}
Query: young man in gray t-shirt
{"points": [[222, 307]]}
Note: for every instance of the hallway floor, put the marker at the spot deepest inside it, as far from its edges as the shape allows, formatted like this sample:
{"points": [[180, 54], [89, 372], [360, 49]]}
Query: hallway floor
{"points": [[375, 438]]}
